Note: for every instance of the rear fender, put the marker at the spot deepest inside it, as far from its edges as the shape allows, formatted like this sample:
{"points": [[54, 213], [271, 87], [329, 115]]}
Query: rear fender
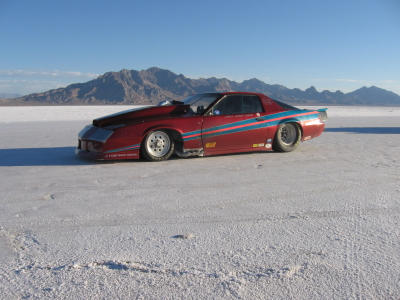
{"points": [[290, 120]]}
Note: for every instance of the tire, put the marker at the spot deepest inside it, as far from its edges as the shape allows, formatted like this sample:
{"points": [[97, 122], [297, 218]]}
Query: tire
{"points": [[158, 145], [287, 137]]}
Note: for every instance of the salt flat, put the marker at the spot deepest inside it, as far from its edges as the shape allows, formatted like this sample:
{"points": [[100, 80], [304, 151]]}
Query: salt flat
{"points": [[321, 222]]}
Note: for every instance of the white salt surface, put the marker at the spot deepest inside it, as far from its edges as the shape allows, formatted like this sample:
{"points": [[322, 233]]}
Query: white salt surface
{"points": [[321, 222]]}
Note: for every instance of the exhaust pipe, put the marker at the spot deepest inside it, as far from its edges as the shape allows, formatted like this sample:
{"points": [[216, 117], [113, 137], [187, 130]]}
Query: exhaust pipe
{"points": [[187, 153]]}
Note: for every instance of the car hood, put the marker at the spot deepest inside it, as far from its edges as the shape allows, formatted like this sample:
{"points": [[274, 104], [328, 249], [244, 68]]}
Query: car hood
{"points": [[129, 116]]}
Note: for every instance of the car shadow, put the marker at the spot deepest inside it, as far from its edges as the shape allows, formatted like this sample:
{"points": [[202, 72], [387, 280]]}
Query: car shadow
{"points": [[366, 130], [55, 156], [65, 156]]}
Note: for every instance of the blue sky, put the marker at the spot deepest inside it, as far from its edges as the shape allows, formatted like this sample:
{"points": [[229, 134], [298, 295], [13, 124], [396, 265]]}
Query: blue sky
{"points": [[332, 45]]}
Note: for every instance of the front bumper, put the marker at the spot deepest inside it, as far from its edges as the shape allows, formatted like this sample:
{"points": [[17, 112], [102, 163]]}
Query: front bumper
{"points": [[89, 154], [95, 143], [86, 149]]}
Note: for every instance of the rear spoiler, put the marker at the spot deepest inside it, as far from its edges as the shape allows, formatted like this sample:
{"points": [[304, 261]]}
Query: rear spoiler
{"points": [[323, 116]]}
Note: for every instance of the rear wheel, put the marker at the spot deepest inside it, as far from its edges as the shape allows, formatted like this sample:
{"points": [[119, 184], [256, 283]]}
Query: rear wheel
{"points": [[287, 137], [158, 145]]}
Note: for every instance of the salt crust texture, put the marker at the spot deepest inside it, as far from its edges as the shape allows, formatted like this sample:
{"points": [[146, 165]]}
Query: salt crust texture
{"points": [[321, 222]]}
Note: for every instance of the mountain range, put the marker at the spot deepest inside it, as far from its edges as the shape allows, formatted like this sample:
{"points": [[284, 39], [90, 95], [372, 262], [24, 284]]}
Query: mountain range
{"points": [[8, 95], [154, 85]]}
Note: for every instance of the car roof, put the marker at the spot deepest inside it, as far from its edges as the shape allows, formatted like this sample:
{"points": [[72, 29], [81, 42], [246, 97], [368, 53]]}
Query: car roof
{"points": [[229, 93]]}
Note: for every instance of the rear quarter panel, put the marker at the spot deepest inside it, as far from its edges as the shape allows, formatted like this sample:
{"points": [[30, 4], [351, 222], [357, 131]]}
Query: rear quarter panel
{"points": [[309, 121]]}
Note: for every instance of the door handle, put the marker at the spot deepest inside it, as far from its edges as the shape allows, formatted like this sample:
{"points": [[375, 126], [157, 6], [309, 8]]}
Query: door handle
{"points": [[260, 119]]}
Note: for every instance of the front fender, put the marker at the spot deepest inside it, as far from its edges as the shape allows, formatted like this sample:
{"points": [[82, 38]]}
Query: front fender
{"points": [[161, 127]]}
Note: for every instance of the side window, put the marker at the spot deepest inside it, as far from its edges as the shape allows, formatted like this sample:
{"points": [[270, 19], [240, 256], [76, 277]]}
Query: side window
{"points": [[230, 105], [236, 104], [251, 104]]}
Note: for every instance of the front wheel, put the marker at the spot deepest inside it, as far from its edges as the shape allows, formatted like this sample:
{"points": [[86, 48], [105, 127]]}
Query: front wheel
{"points": [[287, 137], [158, 145]]}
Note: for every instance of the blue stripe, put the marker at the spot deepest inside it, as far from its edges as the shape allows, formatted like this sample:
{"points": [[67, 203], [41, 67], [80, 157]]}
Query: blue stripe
{"points": [[184, 135], [127, 148], [243, 122], [260, 124], [252, 127], [191, 138]]}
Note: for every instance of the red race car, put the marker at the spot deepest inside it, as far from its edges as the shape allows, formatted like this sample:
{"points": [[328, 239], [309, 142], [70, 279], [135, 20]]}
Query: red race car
{"points": [[202, 125]]}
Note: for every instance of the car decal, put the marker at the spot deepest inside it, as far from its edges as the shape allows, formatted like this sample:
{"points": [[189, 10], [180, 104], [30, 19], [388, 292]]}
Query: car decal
{"points": [[127, 148], [249, 124]]}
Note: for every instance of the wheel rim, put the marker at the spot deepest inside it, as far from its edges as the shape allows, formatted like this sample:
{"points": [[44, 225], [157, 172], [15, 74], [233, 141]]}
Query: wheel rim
{"points": [[158, 143], [288, 134]]}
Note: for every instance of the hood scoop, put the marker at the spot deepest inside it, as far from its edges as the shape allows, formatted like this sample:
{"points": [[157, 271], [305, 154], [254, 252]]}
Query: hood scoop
{"points": [[139, 113]]}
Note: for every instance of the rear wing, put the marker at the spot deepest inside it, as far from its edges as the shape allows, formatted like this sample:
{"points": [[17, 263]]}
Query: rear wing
{"points": [[323, 116]]}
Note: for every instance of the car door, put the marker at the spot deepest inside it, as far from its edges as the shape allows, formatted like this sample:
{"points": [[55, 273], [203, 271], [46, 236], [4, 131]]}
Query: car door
{"points": [[235, 122]]}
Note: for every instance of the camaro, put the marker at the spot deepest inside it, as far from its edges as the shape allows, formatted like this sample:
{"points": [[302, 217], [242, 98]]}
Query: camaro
{"points": [[202, 124]]}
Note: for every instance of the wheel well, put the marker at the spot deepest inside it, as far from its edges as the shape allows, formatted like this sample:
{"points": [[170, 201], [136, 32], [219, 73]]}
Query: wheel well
{"points": [[301, 127], [295, 122], [176, 135]]}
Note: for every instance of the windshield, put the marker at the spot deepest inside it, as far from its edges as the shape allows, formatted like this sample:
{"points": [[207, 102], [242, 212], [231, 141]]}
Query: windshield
{"points": [[199, 103]]}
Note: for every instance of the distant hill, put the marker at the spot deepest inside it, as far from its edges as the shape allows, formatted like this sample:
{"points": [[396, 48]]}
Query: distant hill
{"points": [[8, 96], [154, 85]]}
